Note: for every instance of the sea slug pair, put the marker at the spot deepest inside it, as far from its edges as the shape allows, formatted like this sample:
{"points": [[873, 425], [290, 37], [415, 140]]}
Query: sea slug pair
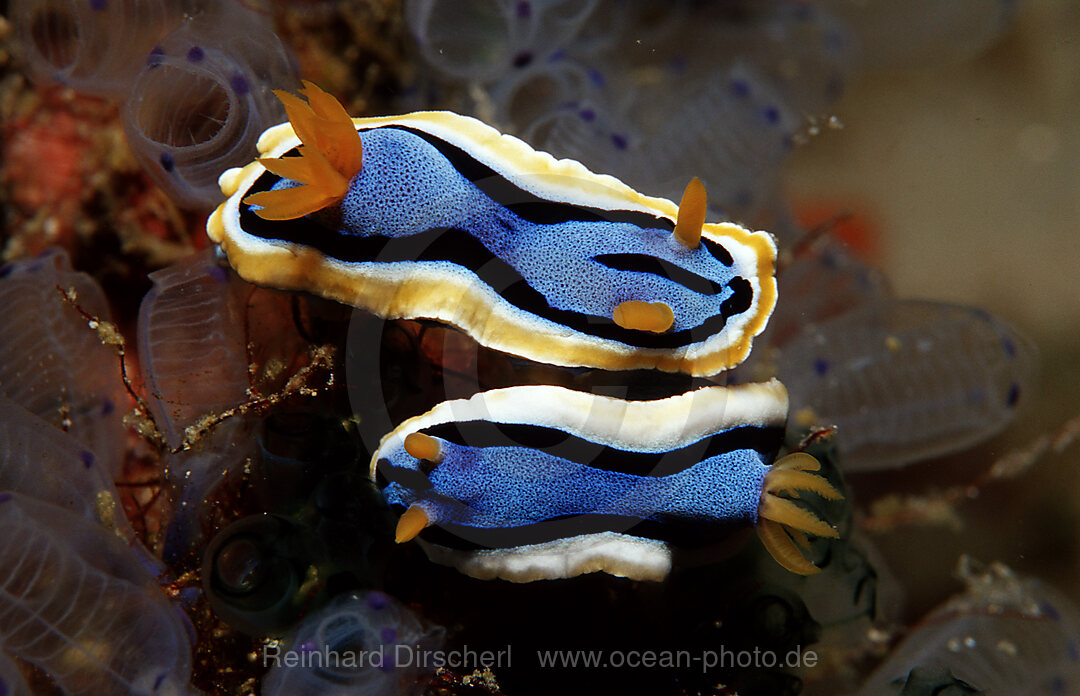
{"points": [[438, 216]]}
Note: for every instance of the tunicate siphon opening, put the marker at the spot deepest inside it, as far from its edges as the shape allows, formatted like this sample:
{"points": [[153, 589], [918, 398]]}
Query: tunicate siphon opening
{"points": [[239, 565], [93, 46], [203, 97], [467, 39], [188, 119]]}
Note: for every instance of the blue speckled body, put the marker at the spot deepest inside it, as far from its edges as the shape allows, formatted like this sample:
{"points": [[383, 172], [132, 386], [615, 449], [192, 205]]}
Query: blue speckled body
{"points": [[500, 487], [407, 186]]}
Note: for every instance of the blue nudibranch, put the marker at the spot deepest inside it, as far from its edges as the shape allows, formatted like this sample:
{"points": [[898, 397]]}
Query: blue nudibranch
{"points": [[437, 216], [442, 217], [545, 482]]}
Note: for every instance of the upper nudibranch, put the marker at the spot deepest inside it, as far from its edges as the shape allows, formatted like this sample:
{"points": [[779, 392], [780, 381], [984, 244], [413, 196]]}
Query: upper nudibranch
{"points": [[433, 215], [541, 482]]}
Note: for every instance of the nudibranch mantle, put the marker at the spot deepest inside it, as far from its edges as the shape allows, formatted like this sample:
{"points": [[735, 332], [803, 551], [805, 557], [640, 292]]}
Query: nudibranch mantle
{"points": [[450, 220], [540, 481]]}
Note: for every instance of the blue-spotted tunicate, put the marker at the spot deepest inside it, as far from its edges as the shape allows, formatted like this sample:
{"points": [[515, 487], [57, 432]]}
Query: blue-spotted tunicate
{"points": [[1006, 634], [94, 47], [652, 92], [906, 380], [80, 604], [40, 461], [203, 97], [53, 360]]}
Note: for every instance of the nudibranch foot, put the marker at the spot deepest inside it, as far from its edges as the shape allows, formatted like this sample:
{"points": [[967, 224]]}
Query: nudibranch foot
{"points": [[782, 524], [540, 482], [449, 220]]}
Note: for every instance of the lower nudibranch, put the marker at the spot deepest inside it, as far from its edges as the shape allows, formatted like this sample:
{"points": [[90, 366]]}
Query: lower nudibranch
{"points": [[542, 482], [434, 215]]}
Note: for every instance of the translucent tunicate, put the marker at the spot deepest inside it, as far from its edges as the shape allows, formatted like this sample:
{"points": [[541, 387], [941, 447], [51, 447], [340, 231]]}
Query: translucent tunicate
{"points": [[854, 591], [802, 50], [654, 93], [477, 47], [589, 133], [52, 362], [820, 283], [1004, 635], [922, 32], [558, 103], [482, 40], [78, 603], [193, 357], [253, 570], [733, 133], [194, 476], [649, 22], [94, 46], [529, 94], [905, 380], [203, 97], [192, 343], [39, 461], [12, 682], [361, 644]]}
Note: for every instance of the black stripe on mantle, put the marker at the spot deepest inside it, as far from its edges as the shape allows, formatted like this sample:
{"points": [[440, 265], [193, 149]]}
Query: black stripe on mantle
{"points": [[765, 441]]}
